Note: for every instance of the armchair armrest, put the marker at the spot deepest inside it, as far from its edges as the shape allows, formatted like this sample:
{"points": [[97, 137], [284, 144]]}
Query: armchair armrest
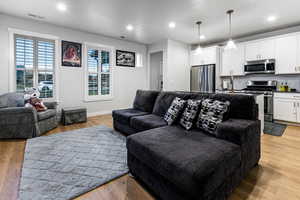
{"points": [[18, 122], [51, 105]]}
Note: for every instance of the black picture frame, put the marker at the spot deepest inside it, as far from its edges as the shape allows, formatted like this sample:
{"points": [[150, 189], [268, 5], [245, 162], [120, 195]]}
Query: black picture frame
{"points": [[67, 49], [125, 58]]}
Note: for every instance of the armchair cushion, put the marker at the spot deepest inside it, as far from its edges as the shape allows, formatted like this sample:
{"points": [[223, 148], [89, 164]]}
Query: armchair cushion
{"points": [[50, 105]]}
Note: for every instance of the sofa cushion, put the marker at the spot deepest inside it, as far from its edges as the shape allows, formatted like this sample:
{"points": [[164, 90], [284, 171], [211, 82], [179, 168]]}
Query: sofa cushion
{"points": [[124, 115], [174, 110], [12, 99], [146, 122], [193, 161], [190, 113], [46, 114], [211, 114], [144, 100]]}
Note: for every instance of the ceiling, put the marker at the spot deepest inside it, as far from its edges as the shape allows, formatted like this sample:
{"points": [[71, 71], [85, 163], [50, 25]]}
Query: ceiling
{"points": [[150, 18]]}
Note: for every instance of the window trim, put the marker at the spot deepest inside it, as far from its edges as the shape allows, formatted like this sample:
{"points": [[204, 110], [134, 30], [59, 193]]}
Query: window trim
{"points": [[111, 50], [12, 68]]}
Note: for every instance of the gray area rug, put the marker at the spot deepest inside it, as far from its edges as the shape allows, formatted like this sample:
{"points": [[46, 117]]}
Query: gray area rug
{"points": [[65, 165], [274, 129]]}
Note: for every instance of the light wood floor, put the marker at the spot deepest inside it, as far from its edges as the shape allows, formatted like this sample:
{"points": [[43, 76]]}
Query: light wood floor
{"points": [[276, 178]]}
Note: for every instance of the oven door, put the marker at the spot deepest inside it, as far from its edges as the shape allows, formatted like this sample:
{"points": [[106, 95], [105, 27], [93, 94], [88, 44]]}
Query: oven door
{"points": [[268, 108]]}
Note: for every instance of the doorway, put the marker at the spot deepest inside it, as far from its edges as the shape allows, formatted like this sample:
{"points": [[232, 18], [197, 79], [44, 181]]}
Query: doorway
{"points": [[156, 70]]}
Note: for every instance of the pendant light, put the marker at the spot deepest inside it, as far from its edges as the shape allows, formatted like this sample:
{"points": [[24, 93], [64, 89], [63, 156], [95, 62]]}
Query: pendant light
{"points": [[230, 44], [199, 48]]}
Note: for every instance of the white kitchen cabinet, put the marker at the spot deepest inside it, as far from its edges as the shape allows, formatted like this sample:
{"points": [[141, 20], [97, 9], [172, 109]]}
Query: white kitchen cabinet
{"points": [[286, 55], [233, 61], [208, 56], [260, 50], [287, 107]]}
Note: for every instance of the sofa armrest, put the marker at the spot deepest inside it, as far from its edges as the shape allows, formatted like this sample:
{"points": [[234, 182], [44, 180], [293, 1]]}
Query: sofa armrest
{"points": [[238, 131], [246, 134], [11, 114], [51, 105]]}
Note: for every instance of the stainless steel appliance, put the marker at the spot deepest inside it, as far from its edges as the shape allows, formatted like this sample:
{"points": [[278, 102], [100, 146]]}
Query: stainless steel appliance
{"points": [[260, 67], [203, 78], [266, 88]]}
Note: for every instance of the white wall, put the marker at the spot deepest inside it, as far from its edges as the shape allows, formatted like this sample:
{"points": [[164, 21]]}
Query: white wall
{"points": [[71, 80], [177, 72]]}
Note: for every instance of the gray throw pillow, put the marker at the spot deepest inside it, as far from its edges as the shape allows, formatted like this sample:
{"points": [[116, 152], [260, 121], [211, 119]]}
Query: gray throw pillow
{"points": [[211, 114], [190, 113], [174, 110]]}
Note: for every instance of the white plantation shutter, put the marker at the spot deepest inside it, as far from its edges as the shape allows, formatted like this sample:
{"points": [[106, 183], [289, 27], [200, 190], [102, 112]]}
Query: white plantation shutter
{"points": [[35, 64]]}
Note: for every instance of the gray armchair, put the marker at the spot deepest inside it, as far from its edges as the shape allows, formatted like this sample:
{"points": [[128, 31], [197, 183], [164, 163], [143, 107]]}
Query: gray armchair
{"points": [[16, 121]]}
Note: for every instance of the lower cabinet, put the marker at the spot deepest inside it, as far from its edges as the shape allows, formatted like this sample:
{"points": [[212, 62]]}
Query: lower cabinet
{"points": [[287, 108]]}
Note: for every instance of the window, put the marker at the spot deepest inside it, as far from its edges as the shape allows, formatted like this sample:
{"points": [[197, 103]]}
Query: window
{"points": [[34, 63], [99, 73]]}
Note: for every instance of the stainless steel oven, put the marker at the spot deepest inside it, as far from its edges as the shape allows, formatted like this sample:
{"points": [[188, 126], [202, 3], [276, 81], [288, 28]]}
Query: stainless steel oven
{"points": [[260, 67]]}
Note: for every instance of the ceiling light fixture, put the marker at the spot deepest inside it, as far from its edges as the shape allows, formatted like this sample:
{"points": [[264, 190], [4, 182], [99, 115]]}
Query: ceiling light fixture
{"points": [[202, 37], [199, 48], [129, 27], [172, 25], [271, 18], [230, 44], [61, 6]]}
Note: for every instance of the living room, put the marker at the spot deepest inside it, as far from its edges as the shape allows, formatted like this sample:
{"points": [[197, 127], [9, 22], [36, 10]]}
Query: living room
{"points": [[136, 100]]}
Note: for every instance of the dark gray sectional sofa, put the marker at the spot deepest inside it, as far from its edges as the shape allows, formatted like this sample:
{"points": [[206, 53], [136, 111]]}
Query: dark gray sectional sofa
{"points": [[175, 164]]}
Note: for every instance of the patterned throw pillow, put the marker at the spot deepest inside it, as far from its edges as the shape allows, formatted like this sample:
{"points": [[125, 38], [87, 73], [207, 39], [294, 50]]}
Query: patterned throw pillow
{"points": [[190, 113], [174, 110], [211, 114]]}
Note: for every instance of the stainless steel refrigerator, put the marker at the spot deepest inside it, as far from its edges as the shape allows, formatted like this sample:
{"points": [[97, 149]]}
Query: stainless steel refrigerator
{"points": [[203, 78]]}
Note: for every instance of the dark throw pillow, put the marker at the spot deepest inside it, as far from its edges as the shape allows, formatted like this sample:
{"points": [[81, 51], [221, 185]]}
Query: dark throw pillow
{"points": [[190, 113], [174, 110], [211, 114]]}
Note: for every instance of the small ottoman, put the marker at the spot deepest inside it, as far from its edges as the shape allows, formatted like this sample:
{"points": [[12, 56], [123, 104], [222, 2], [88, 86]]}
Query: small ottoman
{"points": [[74, 115]]}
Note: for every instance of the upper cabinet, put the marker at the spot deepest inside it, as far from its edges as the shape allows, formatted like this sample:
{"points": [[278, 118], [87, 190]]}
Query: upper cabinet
{"points": [[260, 50], [232, 61], [208, 56], [287, 53]]}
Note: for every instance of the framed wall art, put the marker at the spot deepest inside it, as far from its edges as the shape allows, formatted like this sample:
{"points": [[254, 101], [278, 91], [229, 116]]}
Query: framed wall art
{"points": [[125, 58], [71, 54]]}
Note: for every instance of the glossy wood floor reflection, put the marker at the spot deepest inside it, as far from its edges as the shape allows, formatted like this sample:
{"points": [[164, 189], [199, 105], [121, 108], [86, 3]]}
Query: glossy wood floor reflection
{"points": [[276, 178]]}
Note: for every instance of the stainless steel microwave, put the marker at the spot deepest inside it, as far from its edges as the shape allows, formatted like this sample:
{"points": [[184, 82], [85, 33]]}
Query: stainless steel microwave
{"points": [[260, 67]]}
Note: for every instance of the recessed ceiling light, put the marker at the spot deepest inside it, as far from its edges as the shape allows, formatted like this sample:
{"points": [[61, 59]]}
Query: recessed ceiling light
{"points": [[271, 18], [202, 37], [172, 25], [129, 27], [61, 6]]}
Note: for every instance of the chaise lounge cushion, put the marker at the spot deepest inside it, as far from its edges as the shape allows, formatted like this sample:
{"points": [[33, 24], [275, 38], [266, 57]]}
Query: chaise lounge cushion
{"points": [[123, 116], [196, 163], [146, 122]]}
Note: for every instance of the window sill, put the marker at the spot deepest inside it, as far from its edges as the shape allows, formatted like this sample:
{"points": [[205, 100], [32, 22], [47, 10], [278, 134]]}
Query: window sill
{"points": [[98, 98]]}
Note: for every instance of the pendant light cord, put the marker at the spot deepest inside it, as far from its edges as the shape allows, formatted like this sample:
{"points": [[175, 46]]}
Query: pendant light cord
{"points": [[229, 12]]}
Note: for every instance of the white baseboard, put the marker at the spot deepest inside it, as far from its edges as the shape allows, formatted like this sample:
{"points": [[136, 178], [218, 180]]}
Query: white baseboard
{"points": [[93, 114]]}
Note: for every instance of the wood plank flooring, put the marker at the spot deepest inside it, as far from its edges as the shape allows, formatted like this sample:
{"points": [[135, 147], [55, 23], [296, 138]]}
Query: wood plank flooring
{"points": [[277, 177]]}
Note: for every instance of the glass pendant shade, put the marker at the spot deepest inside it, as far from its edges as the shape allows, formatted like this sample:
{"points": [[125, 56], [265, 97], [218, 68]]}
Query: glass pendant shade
{"points": [[230, 45]]}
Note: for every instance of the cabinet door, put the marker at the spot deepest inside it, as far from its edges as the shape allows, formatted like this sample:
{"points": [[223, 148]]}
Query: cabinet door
{"points": [[238, 59], [208, 56], [195, 59], [252, 51], [226, 64], [267, 49], [298, 111], [286, 55], [285, 109]]}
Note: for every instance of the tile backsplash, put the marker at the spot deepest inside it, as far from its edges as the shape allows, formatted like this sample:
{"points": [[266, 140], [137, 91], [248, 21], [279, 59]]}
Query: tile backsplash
{"points": [[240, 82]]}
